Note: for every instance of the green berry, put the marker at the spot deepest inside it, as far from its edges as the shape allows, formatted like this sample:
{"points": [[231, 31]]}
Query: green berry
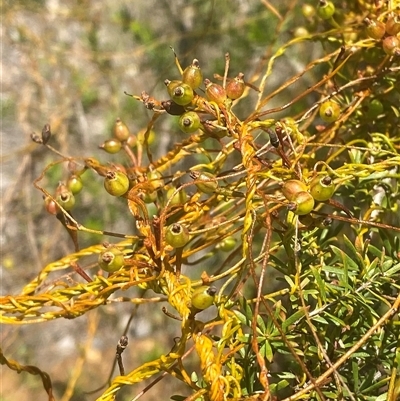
{"points": [[329, 111], [300, 32], [208, 185], [308, 11], [171, 85], [227, 244], [75, 184], [116, 183], [142, 135], [179, 198], [325, 9], [155, 179], [182, 94], [121, 131], [111, 146], [177, 235], [192, 75], [65, 197], [303, 203], [203, 297], [189, 122], [111, 259], [322, 188], [148, 197]]}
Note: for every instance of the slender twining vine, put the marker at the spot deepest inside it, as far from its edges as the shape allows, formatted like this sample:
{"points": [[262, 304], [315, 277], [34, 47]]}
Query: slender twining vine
{"points": [[293, 220]]}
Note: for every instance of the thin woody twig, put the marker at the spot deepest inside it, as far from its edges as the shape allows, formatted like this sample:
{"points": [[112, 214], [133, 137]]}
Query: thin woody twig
{"points": [[122, 344]]}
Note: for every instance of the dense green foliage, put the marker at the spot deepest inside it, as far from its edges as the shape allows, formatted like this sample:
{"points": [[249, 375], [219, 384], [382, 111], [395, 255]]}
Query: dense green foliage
{"points": [[261, 208]]}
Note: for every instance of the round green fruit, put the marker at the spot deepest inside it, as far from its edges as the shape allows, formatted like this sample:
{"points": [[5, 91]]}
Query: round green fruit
{"points": [[228, 244], [111, 146], [182, 94], [121, 131], [322, 188], [329, 111], [171, 85], [189, 122], [203, 297], [208, 185], [325, 9], [75, 184], [308, 11], [177, 235], [65, 197], [192, 75], [155, 179], [300, 32], [116, 183], [178, 199], [148, 197], [303, 203], [111, 259], [141, 137]]}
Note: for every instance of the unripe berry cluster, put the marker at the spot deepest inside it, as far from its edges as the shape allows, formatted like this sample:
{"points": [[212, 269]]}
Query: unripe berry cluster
{"points": [[388, 33], [189, 105], [302, 197]]}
